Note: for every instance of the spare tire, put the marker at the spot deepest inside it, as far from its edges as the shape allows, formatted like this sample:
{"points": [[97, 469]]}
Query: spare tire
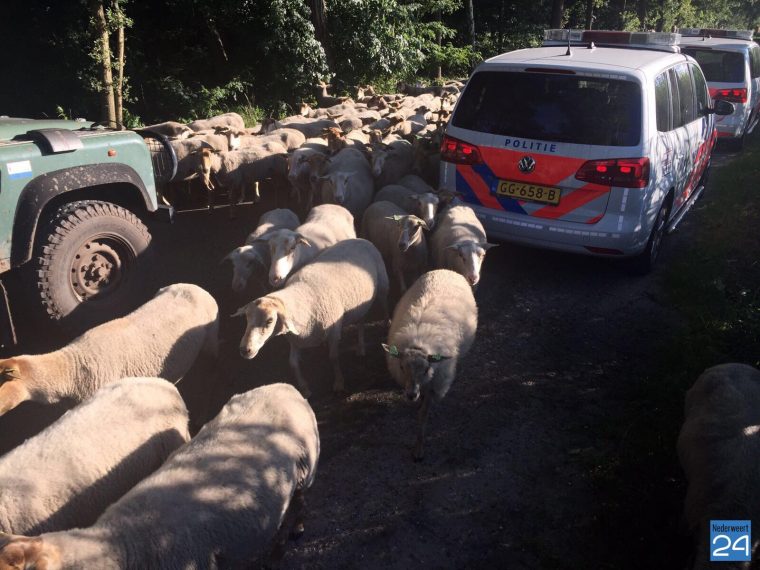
{"points": [[93, 264]]}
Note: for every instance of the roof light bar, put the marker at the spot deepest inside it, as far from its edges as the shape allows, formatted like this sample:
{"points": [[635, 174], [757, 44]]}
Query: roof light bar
{"points": [[653, 40], [716, 33]]}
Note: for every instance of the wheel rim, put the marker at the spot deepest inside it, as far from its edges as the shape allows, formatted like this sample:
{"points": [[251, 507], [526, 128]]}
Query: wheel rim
{"points": [[100, 266], [658, 233]]}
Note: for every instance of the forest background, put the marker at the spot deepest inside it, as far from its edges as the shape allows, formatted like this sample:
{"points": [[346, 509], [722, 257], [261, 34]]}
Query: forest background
{"points": [[188, 59]]}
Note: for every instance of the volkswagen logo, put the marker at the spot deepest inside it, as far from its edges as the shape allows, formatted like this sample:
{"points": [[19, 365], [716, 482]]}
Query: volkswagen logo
{"points": [[526, 164]]}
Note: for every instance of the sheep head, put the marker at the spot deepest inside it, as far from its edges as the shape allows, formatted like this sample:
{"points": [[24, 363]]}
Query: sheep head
{"points": [[245, 260], [425, 206], [417, 367], [469, 257], [19, 552], [411, 232], [282, 250], [336, 188], [265, 317]]}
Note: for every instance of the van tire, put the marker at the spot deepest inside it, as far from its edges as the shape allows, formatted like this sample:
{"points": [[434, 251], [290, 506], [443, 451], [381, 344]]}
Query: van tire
{"points": [[644, 262], [92, 264]]}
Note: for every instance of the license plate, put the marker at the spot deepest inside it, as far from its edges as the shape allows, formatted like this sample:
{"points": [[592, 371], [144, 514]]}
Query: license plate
{"points": [[532, 192]]}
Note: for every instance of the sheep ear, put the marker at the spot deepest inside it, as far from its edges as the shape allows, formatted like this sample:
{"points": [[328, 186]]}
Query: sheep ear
{"points": [[284, 324], [240, 312], [391, 349], [303, 240], [488, 246], [9, 373], [227, 257], [419, 222], [396, 218]]}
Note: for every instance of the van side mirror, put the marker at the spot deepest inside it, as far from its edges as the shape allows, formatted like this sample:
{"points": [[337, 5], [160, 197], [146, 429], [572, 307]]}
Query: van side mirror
{"points": [[721, 108]]}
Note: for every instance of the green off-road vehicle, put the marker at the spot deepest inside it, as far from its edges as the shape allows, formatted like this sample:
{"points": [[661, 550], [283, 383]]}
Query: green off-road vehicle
{"points": [[74, 199]]}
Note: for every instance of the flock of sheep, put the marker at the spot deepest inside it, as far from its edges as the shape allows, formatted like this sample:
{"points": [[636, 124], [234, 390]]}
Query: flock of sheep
{"points": [[118, 482]]}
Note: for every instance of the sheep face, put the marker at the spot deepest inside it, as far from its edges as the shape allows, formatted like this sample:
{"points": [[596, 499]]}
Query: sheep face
{"points": [[468, 257], [411, 232], [282, 249], [265, 317], [378, 161], [417, 368], [245, 260], [25, 552], [425, 206], [335, 188]]}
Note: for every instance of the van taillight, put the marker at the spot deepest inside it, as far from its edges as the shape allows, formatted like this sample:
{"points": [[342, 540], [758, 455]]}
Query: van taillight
{"points": [[459, 152], [625, 172], [732, 95]]}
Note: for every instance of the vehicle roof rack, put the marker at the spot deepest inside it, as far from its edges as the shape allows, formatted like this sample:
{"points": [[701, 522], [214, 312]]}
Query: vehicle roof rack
{"points": [[661, 41], [716, 33]]}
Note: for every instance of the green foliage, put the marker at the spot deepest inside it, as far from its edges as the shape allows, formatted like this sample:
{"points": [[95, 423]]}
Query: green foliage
{"points": [[373, 39]]}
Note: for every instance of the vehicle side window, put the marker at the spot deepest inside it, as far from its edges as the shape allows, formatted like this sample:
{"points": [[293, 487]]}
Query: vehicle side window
{"points": [[754, 57], [700, 90], [675, 102], [685, 94], [662, 102]]}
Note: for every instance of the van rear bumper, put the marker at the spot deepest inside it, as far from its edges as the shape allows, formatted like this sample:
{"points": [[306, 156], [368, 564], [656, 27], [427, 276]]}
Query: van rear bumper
{"points": [[607, 238]]}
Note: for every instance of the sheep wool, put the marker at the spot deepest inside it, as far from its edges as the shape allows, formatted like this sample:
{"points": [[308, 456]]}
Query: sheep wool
{"points": [[161, 338], [433, 326], [217, 502], [719, 450], [66, 476]]}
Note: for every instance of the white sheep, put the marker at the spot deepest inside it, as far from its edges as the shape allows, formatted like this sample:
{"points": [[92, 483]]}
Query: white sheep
{"points": [[232, 120], [162, 338], [348, 181], [289, 138], [66, 476], [433, 327], [399, 238], [217, 502], [254, 253], [309, 127], [390, 162], [459, 243], [301, 162], [719, 450], [423, 206], [290, 250], [335, 290]]}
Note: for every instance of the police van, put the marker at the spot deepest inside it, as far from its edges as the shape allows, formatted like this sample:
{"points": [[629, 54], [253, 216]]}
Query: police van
{"points": [[730, 61], [596, 143]]}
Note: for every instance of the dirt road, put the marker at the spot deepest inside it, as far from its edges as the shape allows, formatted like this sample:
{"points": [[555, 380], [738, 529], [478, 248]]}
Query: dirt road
{"points": [[507, 478]]}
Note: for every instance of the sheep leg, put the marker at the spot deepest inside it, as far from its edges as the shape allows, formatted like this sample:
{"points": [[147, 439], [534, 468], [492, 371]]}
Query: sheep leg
{"points": [[295, 366], [401, 280], [422, 422], [12, 394], [334, 341], [291, 527]]}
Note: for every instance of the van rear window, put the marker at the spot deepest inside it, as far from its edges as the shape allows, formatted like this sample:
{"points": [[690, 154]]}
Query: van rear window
{"points": [[719, 66], [558, 108]]}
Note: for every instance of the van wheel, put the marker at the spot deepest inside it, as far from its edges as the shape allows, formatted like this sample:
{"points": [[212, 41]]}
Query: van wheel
{"points": [[643, 263], [92, 264]]}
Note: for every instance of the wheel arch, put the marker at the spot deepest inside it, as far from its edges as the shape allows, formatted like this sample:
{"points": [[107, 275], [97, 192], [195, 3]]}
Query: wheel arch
{"points": [[116, 183]]}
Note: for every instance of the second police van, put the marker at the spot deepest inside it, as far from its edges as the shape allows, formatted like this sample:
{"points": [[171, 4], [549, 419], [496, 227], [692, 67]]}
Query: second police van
{"points": [[730, 61], [596, 143]]}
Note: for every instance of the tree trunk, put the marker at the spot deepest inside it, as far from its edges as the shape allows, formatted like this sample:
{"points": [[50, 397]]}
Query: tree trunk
{"points": [[108, 111], [319, 21], [119, 102], [558, 11], [470, 22], [642, 10], [439, 73], [589, 14]]}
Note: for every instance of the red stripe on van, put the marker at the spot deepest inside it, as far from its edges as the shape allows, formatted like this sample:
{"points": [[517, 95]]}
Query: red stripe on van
{"points": [[479, 187], [550, 170]]}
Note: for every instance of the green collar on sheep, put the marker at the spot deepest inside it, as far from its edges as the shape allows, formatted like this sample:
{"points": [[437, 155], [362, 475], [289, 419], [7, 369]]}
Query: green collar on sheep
{"points": [[394, 352]]}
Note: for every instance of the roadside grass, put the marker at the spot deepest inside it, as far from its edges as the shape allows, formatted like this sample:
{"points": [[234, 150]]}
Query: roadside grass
{"points": [[714, 285]]}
